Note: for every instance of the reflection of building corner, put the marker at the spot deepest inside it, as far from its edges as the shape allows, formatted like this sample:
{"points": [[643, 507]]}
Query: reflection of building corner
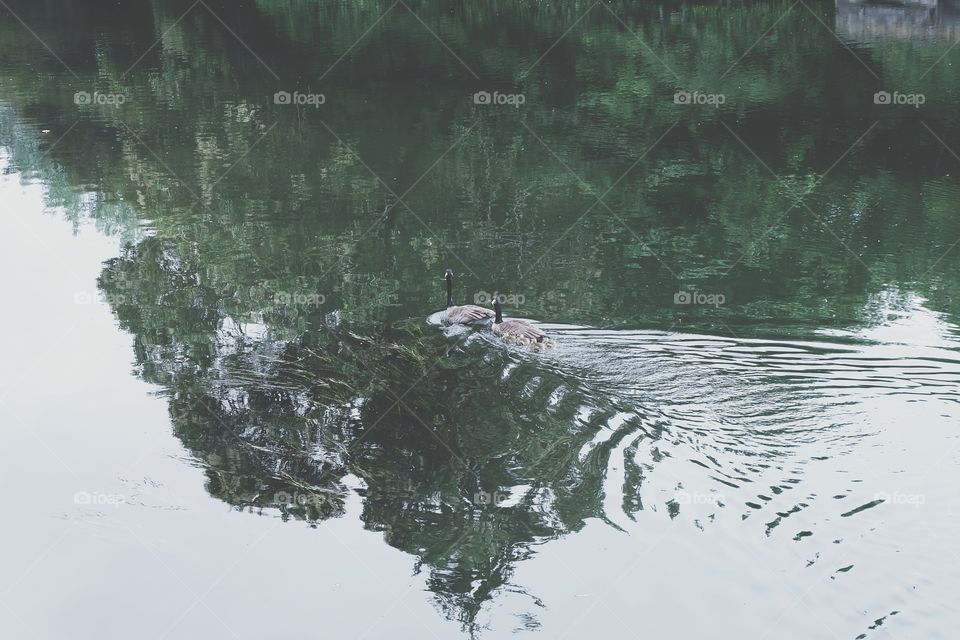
{"points": [[938, 19]]}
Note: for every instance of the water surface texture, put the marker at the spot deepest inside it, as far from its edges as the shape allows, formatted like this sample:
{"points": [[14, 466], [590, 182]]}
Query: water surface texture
{"points": [[230, 410]]}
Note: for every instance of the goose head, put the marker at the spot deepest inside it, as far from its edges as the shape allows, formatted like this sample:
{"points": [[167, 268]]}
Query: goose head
{"points": [[497, 309]]}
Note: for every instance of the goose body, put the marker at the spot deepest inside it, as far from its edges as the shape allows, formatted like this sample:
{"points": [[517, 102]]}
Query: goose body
{"points": [[468, 314], [464, 314], [518, 331]]}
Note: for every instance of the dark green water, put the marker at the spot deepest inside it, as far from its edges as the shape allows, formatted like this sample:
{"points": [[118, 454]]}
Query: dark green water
{"points": [[279, 263]]}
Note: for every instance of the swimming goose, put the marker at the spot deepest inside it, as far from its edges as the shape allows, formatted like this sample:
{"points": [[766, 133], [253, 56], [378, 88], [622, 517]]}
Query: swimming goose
{"points": [[518, 331], [466, 314]]}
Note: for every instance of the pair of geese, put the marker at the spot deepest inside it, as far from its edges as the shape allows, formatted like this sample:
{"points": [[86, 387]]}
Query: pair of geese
{"points": [[471, 315]]}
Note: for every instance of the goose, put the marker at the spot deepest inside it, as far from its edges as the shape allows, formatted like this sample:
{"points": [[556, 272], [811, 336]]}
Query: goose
{"points": [[465, 314], [518, 331]]}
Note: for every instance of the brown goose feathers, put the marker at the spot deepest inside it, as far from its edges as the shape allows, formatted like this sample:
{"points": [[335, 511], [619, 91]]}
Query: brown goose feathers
{"points": [[519, 331], [467, 314]]}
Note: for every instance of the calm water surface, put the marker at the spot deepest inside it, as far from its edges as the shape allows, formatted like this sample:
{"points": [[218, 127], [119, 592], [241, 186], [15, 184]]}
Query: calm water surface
{"points": [[229, 411]]}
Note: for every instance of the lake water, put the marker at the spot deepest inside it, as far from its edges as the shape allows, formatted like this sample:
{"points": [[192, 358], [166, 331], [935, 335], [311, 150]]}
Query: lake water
{"points": [[229, 410]]}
